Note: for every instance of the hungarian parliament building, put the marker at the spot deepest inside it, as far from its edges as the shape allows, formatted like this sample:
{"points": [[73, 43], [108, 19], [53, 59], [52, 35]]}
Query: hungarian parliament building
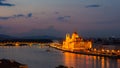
{"points": [[76, 43]]}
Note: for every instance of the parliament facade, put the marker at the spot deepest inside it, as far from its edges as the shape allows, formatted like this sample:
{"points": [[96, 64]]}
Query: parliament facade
{"points": [[76, 43]]}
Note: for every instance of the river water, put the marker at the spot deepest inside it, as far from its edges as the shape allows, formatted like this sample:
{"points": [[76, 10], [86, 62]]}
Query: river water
{"points": [[38, 57]]}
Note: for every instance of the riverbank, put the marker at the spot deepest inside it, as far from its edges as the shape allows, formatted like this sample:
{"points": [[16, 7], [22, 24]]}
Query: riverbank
{"points": [[6, 63], [88, 52]]}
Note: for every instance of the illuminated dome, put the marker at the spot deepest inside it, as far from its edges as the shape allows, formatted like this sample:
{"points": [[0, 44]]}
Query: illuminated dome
{"points": [[75, 35]]}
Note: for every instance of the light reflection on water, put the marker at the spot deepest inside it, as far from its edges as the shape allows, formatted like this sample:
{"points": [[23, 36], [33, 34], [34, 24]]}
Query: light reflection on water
{"points": [[38, 57], [85, 61]]}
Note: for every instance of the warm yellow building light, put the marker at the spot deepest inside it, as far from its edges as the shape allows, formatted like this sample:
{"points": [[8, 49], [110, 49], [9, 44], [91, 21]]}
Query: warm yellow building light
{"points": [[108, 50], [113, 50], [103, 50], [94, 49], [76, 43], [16, 44]]}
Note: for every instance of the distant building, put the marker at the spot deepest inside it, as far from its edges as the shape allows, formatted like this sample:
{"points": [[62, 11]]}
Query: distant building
{"points": [[107, 47], [75, 43]]}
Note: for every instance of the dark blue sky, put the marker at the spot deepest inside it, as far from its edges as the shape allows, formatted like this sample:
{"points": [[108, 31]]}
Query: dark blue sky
{"points": [[56, 17]]}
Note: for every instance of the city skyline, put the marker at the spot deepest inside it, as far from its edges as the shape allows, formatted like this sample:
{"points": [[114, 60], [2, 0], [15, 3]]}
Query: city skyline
{"points": [[57, 17]]}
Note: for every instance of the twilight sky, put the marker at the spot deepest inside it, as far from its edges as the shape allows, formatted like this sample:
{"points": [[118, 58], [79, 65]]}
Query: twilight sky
{"points": [[57, 17]]}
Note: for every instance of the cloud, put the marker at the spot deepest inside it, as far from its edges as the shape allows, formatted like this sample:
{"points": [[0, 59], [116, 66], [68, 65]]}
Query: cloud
{"points": [[16, 16], [93, 6], [49, 31], [64, 18], [9, 17], [19, 15], [4, 18], [1, 27], [5, 4], [56, 12], [29, 15], [108, 22]]}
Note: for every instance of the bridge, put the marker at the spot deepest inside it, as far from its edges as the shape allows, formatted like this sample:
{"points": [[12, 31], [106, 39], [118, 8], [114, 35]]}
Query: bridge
{"points": [[24, 42]]}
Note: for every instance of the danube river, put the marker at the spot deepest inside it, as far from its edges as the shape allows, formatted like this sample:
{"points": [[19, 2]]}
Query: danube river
{"points": [[41, 57]]}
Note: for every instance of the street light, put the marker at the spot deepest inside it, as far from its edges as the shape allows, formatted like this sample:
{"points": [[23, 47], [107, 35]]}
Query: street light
{"points": [[95, 49], [118, 51], [113, 50], [108, 50], [103, 50]]}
